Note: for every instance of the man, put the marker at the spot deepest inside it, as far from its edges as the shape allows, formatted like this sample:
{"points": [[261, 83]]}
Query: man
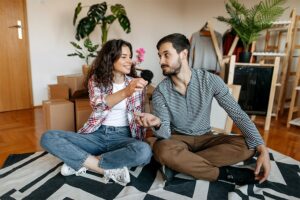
{"points": [[181, 122]]}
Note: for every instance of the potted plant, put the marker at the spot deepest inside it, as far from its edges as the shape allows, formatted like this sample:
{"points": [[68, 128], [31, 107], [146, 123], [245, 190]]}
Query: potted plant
{"points": [[89, 50], [249, 22], [96, 15]]}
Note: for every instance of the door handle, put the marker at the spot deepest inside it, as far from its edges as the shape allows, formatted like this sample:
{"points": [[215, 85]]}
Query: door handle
{"points": [[19, 27], [15, 26]]}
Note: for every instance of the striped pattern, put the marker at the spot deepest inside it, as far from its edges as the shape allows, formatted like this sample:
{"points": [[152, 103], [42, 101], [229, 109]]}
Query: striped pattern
{"points": [[37, 176], [190, 114]]}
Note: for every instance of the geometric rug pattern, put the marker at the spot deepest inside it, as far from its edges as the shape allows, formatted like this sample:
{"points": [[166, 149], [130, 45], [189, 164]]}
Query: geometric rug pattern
{"points": [[37, 176]]}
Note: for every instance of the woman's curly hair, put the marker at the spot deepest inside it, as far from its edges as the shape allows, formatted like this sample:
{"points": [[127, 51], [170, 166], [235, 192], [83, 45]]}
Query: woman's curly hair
{"points": [[103, 65]]}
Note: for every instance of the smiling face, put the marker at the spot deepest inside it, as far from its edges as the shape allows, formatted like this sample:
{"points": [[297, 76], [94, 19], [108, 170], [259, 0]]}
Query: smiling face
{"points": [[170, 60], [123, 64]]}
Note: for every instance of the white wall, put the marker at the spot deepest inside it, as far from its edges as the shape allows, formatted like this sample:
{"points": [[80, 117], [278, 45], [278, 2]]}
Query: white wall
{"points": [[51, 30]]}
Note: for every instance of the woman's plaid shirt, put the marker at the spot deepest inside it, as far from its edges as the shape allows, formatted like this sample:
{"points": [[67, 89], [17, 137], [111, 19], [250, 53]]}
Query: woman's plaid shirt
{"points": [[134, 103]]}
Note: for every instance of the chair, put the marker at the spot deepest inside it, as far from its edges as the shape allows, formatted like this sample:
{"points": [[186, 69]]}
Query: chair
{"points": [[219, 119]]}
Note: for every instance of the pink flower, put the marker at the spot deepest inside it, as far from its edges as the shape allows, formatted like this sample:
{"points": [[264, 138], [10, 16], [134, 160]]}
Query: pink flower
{"points": [[140, 55]]}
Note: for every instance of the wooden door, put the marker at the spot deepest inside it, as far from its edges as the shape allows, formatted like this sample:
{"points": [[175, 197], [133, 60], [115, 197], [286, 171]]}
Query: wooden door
{"points": [[15, 76]]}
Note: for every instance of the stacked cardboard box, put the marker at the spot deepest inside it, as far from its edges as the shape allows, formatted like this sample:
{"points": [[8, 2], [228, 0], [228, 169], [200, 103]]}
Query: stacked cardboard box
{"points": [[58, 110], [58, 91], [148, 98], [82, 112], [59, 115], [73, 81]]}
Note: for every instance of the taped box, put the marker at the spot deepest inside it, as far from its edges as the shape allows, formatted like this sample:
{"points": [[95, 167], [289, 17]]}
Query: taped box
{"points": [[73, 81], [59, 115], [58, 91], [82, 112]]}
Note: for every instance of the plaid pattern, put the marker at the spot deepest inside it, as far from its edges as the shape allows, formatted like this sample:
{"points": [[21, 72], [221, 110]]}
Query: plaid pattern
{"points": [[134, 103]]}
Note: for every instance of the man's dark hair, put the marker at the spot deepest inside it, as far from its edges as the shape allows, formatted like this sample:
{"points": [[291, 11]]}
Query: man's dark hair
{"points": [[179, 42]]}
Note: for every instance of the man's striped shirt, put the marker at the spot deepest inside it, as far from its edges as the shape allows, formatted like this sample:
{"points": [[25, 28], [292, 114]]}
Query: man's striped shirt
{"points": [[190, 113]]}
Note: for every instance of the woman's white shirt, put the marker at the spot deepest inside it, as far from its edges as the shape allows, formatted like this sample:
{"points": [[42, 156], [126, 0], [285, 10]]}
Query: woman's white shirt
{"points": [[118, 114]]}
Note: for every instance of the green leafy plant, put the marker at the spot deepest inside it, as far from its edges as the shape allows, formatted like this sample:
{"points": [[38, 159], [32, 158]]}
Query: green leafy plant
{"points": [[96, 15], [87, 51], [249, 22]]}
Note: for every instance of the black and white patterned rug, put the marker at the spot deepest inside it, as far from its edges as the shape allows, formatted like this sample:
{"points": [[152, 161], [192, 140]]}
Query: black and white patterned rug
{"points": [[37, 176]]}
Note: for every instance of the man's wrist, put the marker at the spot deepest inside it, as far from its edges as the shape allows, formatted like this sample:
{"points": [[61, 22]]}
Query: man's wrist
{"points": [[262, 148]]}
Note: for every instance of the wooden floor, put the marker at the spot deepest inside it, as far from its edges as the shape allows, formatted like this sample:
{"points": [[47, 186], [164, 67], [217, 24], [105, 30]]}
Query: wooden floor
{"points": [[20, 132]]}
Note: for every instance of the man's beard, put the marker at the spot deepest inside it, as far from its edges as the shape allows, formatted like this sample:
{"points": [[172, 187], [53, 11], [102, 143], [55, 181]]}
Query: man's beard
{"points": [[172, 71]]}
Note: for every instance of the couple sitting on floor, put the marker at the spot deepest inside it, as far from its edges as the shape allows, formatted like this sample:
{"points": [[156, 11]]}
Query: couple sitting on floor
{"points": [[113, 138]]}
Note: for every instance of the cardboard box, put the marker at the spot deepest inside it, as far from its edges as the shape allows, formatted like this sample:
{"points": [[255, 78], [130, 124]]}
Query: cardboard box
{"points": [[83, 111], [148, 99], [58, 91], [150, 89], [59, 115], [147, 106], [74, 81]]}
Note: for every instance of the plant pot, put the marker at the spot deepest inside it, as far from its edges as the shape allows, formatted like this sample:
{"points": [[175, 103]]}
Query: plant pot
{"points": [[245, 57], [85, 70]]}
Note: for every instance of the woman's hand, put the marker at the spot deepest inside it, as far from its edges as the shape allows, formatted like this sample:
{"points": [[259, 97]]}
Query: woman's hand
{"points": [[136, 84], [147, 120]]}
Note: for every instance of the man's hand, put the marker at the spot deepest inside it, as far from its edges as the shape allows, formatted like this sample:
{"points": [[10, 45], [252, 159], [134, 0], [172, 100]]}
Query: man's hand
{"points": [[136, 84], [263, 162], [147, 120]]}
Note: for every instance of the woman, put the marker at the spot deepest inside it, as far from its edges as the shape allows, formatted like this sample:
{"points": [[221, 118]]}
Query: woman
{"points": [[110, 141]]}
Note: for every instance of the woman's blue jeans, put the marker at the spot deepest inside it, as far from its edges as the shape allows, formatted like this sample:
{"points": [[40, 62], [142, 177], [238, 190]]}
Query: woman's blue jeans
{"points": [[115, 145]]}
